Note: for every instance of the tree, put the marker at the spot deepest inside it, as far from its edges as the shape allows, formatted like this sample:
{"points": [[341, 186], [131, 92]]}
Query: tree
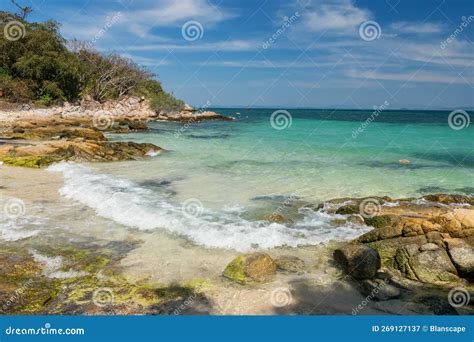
{"points": [[23, 10]]}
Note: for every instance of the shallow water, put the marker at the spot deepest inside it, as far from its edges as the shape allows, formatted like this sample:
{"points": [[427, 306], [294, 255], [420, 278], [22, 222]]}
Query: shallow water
{"points": [[219, 180]]}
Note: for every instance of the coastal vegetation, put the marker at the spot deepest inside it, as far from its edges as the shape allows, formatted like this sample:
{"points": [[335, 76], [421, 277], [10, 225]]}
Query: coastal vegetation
{"points": [[38, 65]]}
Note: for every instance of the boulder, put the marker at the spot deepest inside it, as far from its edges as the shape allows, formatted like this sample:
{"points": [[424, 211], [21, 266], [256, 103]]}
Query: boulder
{"points": [[253, 267], [429, 263], [290, 263], [359, 261], [462, 256]]}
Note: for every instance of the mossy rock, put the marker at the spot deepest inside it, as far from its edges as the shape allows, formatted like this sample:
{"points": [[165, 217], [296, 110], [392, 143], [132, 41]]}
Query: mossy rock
{"points": [[247, 268], [348, 210], [35, 162], [378, 221]]}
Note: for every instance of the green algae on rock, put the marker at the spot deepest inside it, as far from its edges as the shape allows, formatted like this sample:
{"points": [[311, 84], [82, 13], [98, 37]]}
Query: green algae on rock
{"points": [[253, 267]]}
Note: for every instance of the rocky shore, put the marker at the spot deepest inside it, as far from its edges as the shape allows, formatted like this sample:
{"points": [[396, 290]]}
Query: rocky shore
{"points": [[37, 137], [420, 249]]}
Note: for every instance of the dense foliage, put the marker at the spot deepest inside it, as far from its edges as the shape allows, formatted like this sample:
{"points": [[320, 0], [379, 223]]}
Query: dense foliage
{"points": [[42, 66]]}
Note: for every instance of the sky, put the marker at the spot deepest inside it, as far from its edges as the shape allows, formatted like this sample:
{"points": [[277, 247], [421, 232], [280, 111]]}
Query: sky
{"points": [[301, 53]]}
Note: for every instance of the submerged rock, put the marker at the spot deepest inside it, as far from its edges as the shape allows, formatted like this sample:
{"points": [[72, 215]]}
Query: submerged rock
{"points": [[290, 263], [359, 261], [247, 268]]}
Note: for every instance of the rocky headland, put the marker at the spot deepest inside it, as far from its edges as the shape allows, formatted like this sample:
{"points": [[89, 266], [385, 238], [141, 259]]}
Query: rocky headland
{"points": [[37, 137]]}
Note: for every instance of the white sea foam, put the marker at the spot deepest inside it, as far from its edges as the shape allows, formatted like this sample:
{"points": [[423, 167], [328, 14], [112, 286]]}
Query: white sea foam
{"points": [[129, 204], [53, 265], [19, 228]]}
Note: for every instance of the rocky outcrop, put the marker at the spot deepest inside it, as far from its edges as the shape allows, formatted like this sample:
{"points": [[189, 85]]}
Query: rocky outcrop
{"points": [[191, 117], [254, 267], [358, 260], [44, 141], [132, 108], [45, 153], [429, 239]]}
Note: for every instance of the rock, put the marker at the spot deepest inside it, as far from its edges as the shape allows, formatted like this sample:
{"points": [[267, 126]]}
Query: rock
{"points": [[48, 152], [429, 247], [449, 199], [429, 266], [290, 263], [359, 261], [277, 218], [462, 256], [254, 267], [348, 210], [379, 221], [378, 289], [356, 219]]}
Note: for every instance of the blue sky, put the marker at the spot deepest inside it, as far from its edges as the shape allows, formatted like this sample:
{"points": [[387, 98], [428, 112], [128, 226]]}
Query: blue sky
{"points": [[319, 58]]}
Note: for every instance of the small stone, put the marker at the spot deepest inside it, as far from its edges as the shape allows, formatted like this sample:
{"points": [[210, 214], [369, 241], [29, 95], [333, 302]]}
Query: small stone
{"points": [[290, 263], [429, 247]]}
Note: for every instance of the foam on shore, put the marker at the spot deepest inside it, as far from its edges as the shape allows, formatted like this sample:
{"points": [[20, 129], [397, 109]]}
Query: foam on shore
{"points": [[137, 207]]}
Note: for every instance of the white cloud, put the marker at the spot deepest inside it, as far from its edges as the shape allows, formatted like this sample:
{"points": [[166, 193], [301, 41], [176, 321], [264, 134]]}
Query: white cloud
{"points": [[165, 13], [228, 45], [416, 27], [338, 17], [414, 76]]}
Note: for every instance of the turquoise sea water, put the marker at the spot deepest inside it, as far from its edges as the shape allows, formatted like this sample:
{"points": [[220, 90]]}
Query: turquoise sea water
{"points": [[218, 180], [318, 156]]}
